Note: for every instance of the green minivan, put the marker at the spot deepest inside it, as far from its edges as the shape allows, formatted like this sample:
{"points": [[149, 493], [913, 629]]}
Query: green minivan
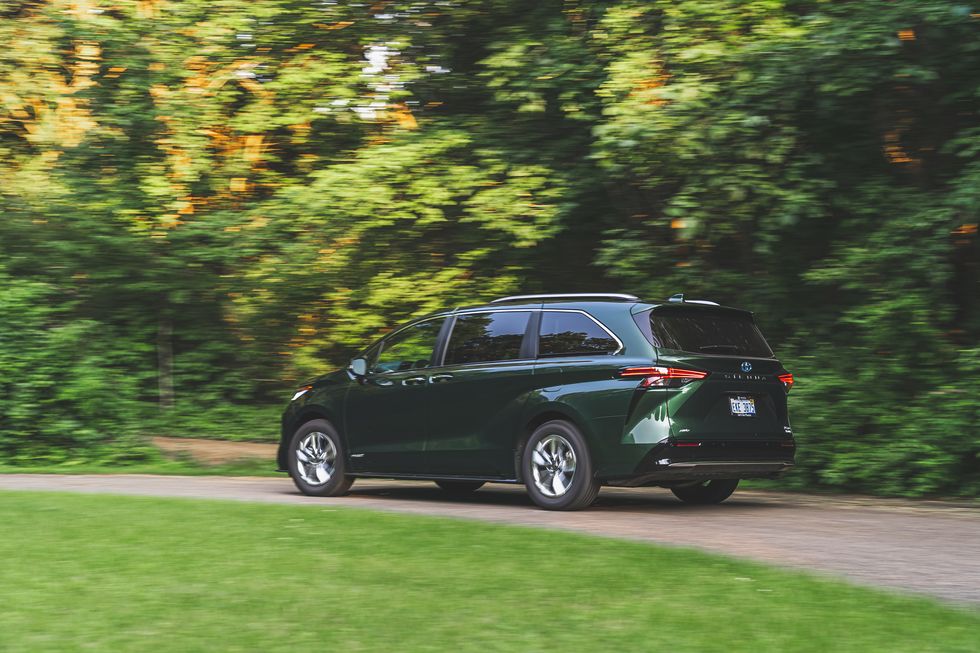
{"points": [[563, 393]]}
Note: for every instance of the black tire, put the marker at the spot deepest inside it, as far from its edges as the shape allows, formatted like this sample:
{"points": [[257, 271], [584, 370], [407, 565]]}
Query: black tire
{"points": [[338, 482], [582, 488], [460, 487], [706, 492]]}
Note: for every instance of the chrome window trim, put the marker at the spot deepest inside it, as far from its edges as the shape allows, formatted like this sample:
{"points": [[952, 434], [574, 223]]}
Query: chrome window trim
{"points": [[454, 314], [539, 310]]}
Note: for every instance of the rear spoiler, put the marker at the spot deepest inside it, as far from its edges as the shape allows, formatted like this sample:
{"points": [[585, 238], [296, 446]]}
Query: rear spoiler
{"points": [[693, 308]]}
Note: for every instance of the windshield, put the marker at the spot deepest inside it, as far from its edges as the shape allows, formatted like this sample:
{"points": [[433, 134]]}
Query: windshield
{"points": [[706, 332]]}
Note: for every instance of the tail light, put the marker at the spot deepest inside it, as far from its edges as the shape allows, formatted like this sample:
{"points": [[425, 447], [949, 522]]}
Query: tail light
{"points": [[786, 380], [662, 377]]}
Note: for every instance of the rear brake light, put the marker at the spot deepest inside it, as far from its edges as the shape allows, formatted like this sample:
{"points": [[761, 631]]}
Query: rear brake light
{"points": [[786, 380], [663, 376]]}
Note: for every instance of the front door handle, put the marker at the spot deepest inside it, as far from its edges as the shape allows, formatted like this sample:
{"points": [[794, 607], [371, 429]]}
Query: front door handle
{"points": [[440, 378], [382, 382], [414, 380]]}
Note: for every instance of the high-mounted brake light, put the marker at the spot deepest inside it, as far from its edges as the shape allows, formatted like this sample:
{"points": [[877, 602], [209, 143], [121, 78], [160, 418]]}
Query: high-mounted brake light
{"points": [[662, 376], [786, 380]]}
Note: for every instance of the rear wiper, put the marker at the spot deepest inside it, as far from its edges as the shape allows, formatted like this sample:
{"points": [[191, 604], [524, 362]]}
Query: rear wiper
{"points": [[728, 347]]}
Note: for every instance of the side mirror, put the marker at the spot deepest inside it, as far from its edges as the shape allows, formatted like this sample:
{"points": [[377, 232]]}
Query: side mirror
{"points": [[359, 367]]}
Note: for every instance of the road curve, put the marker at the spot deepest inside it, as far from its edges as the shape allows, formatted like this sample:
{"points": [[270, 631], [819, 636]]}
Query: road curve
{"points": [[923, 547]]}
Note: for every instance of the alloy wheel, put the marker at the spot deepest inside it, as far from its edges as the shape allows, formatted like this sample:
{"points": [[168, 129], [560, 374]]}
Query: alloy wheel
{"points": [[553, 465], [316, 458]]}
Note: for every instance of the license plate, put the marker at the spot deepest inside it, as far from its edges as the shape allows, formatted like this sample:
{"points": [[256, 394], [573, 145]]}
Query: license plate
{"points": [[742, 406]]}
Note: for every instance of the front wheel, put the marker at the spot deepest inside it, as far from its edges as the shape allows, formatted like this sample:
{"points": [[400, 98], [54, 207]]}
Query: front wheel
{"points": [[317, 461], [557, 468], [706, 492]]}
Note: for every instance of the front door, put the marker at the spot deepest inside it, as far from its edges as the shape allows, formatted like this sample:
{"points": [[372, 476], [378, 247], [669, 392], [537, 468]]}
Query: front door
{"points": [[386, 420]]}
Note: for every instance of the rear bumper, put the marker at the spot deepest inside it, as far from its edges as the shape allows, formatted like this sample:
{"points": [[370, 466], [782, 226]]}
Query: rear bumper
{"points": [[668, 462]]}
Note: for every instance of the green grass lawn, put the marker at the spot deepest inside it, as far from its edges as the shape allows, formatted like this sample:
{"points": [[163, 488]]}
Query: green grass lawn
{"points": [[105, 573]]}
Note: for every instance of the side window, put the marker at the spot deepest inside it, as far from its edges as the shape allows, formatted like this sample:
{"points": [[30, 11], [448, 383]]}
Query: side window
{"points": [[570, 334], [409, 349], [481, 337]]}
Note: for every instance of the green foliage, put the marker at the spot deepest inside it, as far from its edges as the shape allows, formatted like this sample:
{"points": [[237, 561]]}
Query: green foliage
{"points": [[247, 194], [791, 162], [63, 395], [221, 421]]}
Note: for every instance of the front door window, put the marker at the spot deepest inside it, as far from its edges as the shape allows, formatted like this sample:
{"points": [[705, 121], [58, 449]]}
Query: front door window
{"points": [[409, 349]]}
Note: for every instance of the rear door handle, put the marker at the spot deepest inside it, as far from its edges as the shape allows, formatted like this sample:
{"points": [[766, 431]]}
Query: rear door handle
{"points": [[414, 380], [440, 378]]}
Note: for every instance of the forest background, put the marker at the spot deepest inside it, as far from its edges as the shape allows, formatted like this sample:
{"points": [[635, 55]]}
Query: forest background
{"points": [[204, 203]]}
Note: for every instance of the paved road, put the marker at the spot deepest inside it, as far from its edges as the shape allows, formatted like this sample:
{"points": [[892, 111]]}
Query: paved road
{"points": [[925, 547]]}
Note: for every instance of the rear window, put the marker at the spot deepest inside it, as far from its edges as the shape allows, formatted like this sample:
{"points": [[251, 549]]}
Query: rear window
{"points": [[705, 332]]}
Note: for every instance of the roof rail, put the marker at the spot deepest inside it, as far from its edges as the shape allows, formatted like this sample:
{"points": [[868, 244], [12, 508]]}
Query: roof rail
{"points": [[570, 296], [679, 298]]}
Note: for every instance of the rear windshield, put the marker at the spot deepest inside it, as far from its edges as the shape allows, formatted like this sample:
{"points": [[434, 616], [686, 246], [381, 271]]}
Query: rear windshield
{"points": [[705, 332]]}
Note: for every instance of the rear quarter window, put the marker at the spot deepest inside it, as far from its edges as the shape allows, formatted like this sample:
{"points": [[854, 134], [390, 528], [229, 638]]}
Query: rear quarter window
{"points": [[572, 334], [704, 332]]}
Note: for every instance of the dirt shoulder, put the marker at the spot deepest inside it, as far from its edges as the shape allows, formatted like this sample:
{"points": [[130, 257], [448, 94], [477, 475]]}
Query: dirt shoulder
{"points": [[214, 452]]}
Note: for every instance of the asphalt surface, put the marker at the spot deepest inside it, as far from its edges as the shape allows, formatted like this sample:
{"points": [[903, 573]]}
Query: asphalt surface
{"points": [[930, 548]]}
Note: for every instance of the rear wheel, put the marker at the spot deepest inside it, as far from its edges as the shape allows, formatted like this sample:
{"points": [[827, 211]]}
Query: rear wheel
{"points": [[317, 460], [557, 468], [706, 492], [460, 487]]}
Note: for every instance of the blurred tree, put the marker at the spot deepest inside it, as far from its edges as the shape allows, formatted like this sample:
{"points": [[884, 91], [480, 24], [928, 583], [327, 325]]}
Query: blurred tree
{"points": [[205, 202], [811, 161]]}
